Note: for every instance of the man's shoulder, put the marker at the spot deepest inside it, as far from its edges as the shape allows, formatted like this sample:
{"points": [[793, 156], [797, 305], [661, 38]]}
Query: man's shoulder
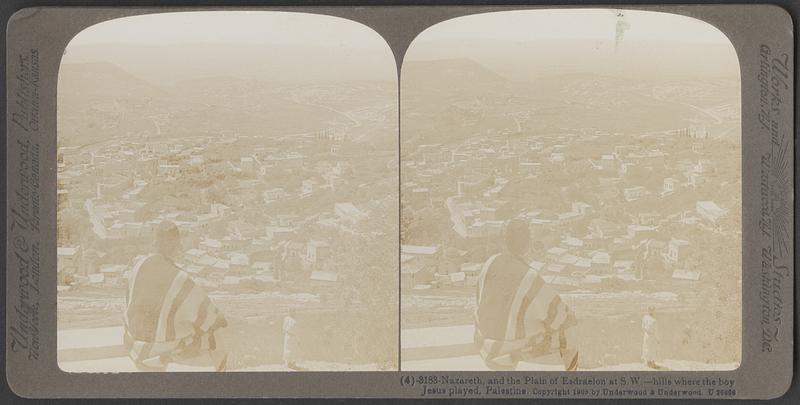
{"points": [[157, 262], [498, 258], [505, 270], [507, 261]]}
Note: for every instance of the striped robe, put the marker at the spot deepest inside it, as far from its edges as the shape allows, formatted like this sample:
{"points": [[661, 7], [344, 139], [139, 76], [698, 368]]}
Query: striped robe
{"points": [[519, 316], [167, 315]]}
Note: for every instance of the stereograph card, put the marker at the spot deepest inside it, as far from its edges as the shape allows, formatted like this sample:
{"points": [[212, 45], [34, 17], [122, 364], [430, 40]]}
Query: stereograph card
{"points": [[400, 201]]}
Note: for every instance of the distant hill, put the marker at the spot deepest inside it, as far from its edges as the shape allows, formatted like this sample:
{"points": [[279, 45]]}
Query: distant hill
{"points": [[527, 60], [100, 82], [445, 100], [170, 63], [439, 98], [458, 73], [97, 101]]}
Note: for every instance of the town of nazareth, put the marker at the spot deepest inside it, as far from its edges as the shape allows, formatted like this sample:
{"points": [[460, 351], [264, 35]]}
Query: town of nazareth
{"points": [[285, 196], [631, 188]]}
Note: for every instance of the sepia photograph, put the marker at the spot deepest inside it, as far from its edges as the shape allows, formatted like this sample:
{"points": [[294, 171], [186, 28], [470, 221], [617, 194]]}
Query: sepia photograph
{"points": [[381, 201], [571, 193], [227, 195]]}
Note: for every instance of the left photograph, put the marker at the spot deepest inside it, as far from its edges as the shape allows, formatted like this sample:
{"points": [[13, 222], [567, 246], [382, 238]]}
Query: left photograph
{"points": [[228, 195]]}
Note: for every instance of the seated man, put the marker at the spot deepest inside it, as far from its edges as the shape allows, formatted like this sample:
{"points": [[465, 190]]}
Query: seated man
{"points": [[518, 315], [168, 317]]}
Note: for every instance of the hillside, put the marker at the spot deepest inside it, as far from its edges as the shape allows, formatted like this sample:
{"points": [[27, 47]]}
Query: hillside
{"points": [[444, 100], [97, 101]]}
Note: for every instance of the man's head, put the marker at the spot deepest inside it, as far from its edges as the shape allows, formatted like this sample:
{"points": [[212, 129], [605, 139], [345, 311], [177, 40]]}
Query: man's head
{"points": [[518, 237], [651, 310], [168, 239]]}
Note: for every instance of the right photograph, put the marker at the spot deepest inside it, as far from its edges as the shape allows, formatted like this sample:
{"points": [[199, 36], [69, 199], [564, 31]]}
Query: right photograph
{"points": [[571, 193]]}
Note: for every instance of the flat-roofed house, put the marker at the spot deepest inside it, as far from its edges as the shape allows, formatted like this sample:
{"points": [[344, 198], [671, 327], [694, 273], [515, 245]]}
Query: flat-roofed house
{"points": [[424, 257], [67, 264], [317, 252], [348, 212], [710, 210]]}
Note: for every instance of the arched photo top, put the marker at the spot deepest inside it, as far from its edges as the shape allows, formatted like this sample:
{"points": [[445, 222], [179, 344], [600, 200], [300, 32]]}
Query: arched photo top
{"points": [[658, 70], [611, 41], [586, 157], [269, 45], [250, 154], [268, 71]]}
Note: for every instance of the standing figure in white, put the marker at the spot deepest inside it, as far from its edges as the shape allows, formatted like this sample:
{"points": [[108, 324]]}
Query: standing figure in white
{"points": [[290, 340], [650, 341]]}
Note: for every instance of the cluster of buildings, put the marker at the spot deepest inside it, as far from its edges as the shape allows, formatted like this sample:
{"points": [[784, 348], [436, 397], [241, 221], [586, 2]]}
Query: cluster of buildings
{"points": [[250, 216], [604, 209]]}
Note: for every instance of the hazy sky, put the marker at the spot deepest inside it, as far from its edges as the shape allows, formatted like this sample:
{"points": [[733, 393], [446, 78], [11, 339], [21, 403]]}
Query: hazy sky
{"points": [[529, 44], [594, 24], [234, 27], [351, 48]]}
